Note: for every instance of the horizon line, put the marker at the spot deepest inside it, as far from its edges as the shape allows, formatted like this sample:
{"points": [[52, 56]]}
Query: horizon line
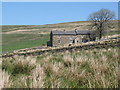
{"points": [[44, 24]]}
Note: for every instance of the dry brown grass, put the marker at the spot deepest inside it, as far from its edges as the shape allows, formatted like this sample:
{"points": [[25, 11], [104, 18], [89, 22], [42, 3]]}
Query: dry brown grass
{"points": [[79, 69], [5, 81], [37, 77]]}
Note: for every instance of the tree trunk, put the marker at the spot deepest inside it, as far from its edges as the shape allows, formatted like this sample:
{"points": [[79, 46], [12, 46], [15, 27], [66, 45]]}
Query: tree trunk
{"points": [[100, 30], [100, 35]]}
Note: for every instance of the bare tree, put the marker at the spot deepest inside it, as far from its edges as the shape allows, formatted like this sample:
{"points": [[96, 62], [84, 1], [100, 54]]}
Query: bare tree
{"points": [[101, 19]]}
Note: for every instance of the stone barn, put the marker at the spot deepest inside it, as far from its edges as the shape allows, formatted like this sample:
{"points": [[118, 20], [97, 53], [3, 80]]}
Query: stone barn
{"points": [[58, 38]]}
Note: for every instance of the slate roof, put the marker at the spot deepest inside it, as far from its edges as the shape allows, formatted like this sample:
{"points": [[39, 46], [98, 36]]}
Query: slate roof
{"points": [[73, 32], [84, 32], [64, 32]]}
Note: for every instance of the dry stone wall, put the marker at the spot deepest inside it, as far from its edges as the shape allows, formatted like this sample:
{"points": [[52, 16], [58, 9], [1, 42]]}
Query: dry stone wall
{"points": [[89, 45]]}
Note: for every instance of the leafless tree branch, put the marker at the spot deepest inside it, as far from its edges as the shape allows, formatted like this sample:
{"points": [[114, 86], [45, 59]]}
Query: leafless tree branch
{"points": [[100, 19]]}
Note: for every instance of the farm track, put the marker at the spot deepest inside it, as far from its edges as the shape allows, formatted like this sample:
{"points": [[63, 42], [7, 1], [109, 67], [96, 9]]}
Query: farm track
{"points": [[85, 46]]}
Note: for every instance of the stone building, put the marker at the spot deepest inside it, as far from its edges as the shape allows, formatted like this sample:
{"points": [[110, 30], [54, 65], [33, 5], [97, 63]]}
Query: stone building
{"points": [[58, 38]]}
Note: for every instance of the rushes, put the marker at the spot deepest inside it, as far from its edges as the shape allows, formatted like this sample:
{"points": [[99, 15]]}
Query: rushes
{"points": [[80, 59], [78, 69], [68, 60], [56, 68], [5, 81], [19, 65], [37, 77]]}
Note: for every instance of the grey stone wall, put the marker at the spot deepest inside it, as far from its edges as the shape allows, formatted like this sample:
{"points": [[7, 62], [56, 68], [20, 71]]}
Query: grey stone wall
{"points": [[97, 45], [66, 39]]}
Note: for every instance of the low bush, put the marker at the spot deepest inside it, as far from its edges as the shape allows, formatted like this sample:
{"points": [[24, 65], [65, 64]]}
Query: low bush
{"points": [[18, 65]]}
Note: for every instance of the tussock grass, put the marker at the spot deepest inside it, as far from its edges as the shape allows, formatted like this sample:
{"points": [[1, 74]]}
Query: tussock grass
{"points": [[18, 65], [97, 68]]}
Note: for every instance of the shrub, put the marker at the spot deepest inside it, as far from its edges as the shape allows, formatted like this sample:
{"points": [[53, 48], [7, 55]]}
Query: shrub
{"points": [[18, 65]]}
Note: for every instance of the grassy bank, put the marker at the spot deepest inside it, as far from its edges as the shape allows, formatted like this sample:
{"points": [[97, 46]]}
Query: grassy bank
{"points": [[78, 69]]}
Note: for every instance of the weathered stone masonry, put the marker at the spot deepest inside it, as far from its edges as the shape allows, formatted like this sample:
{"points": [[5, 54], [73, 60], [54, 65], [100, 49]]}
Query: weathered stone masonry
{"points": [[59, 38]]}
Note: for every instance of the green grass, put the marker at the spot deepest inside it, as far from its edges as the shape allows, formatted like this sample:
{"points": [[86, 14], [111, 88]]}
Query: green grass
{"points": [[111, 33], [12, 42], [50, 71]]}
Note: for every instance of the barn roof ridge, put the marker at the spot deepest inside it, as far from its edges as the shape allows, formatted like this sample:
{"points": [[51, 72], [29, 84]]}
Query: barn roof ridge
{"points": [[72, 32]]}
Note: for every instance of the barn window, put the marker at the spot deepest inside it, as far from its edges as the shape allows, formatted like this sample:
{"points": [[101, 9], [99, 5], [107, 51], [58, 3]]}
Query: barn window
{"points": [[58, 41], [58, 36], [71, 40]]}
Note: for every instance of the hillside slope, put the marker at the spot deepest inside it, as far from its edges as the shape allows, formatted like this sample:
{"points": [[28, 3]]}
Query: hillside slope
{"points": [[26, 36], [43, 29]]}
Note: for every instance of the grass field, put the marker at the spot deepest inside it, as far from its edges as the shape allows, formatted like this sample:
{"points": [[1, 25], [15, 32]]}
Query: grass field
{"points": [[12, 42], [97, 68], [20, 41]]}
